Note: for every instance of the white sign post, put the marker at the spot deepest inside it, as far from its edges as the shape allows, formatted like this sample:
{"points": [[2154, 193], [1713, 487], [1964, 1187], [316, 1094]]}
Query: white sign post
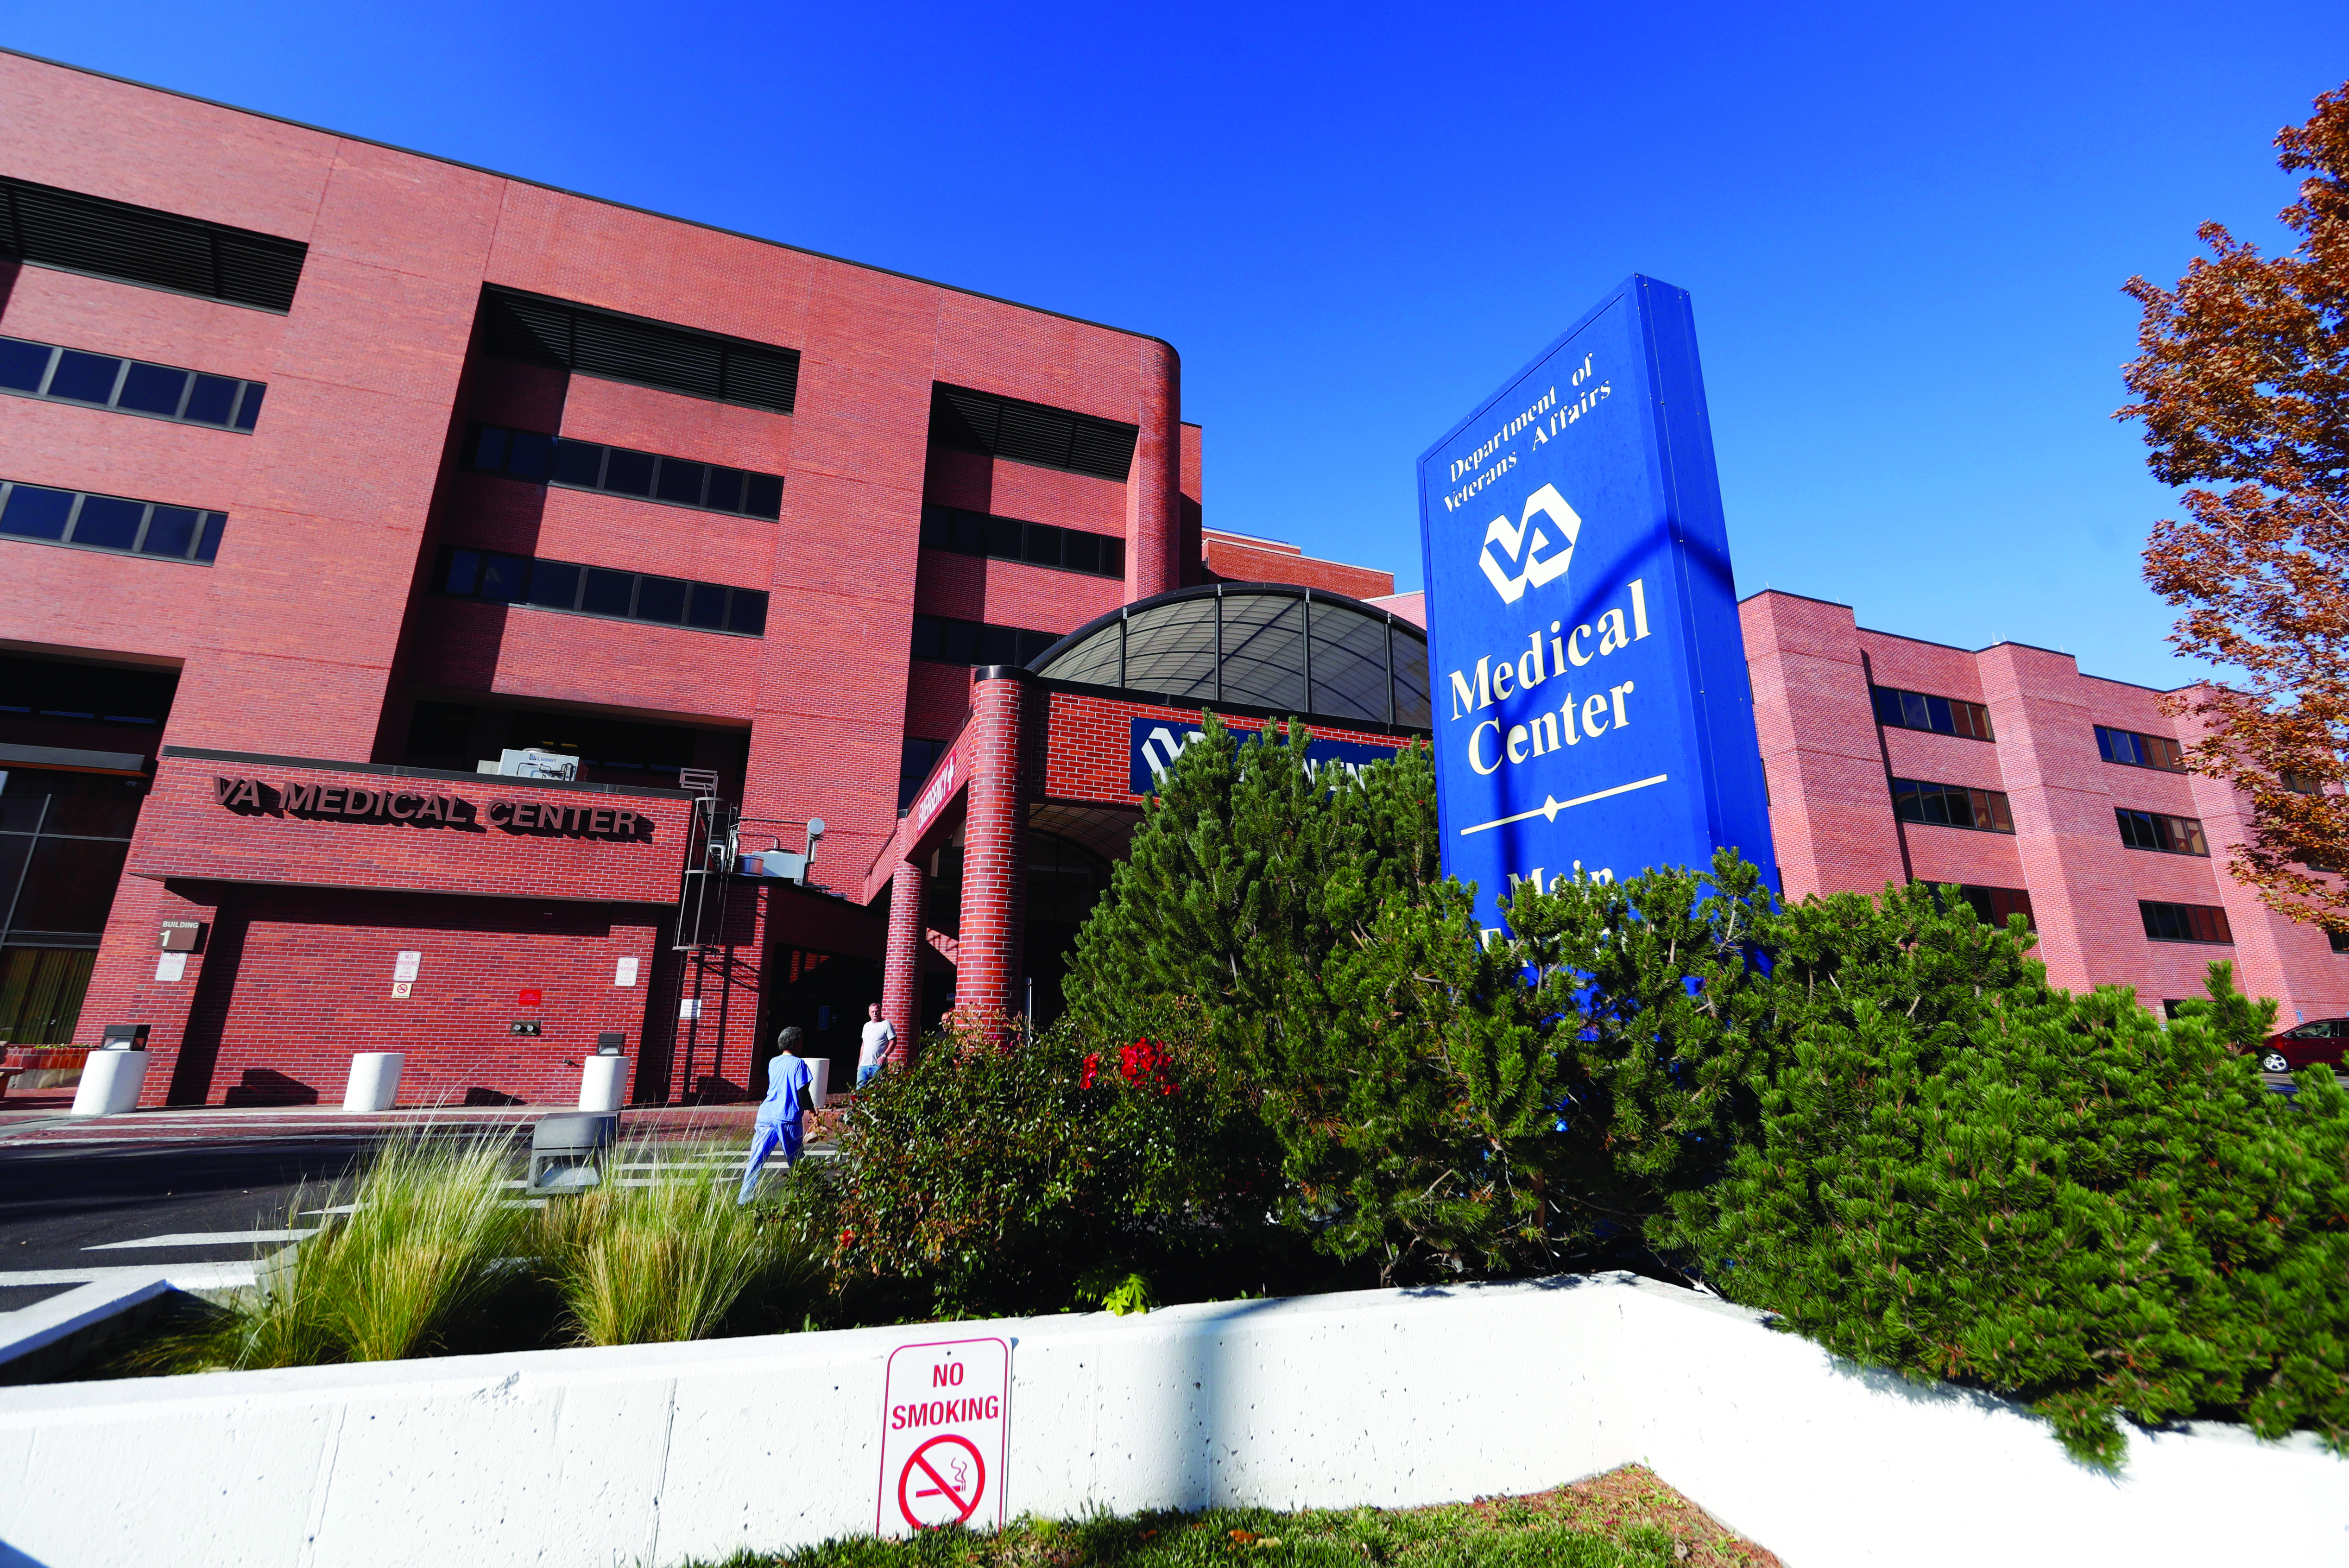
{"points": [[944, 1422]]}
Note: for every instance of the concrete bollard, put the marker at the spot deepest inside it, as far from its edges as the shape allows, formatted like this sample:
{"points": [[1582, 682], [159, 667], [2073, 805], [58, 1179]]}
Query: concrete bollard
{"points": [[374, 1081], [604, 1084], [110, 1081]]}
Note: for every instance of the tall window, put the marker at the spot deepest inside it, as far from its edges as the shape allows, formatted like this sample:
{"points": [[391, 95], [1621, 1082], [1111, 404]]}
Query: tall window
{"points": [[1952, 805], [1943, 715], [63, 840]]}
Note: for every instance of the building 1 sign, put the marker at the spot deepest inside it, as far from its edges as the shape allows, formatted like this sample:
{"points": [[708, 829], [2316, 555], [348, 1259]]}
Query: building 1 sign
{"points": [[1591, 708], [251, 797]]}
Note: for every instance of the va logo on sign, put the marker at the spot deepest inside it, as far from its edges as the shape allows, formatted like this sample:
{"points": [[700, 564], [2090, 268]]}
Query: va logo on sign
{"points": [[1519, 561]]}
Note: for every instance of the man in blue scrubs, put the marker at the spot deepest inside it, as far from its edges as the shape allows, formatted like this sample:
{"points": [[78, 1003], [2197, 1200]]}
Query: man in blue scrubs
{"points": [[791, 1093]]}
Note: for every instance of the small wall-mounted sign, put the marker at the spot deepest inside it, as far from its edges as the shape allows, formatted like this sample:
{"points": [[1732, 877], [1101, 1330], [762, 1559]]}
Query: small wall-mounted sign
{"points": [[181, 936], [401, 990], [404, 967], [689, 1008], [624, 972], [170, 966], [524, 1026], [531, 997]]}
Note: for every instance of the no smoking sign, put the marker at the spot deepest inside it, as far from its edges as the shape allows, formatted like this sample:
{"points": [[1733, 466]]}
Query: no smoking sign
{"points": [[944, 1416]]}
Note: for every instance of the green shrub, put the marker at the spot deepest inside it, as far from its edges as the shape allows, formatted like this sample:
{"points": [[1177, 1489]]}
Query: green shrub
{"points": [[2065, 1201], [996, 1178]]}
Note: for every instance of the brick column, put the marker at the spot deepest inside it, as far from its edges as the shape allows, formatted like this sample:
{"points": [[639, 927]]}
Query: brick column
{"points": [[1154, 487], [901, 971], [988, 975]]}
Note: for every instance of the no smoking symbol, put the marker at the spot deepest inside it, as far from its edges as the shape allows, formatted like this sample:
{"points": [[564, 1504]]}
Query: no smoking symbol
{"points": [[945, 1478]]}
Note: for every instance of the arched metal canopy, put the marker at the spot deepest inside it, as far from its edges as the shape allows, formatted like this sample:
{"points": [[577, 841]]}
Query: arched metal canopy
{"points": [[1266, 647]]}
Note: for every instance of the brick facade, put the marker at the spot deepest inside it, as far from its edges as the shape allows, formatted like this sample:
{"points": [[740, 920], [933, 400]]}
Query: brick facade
{"points": [[1828, 763]]}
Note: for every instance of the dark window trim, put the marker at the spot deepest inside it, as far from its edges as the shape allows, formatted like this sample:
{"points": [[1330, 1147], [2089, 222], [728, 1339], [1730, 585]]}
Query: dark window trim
{"points": [[203, 544], [234, 425], [1876, 694], [448, 562], [2104, 750], [937, 533], [1919, 786], [2146, 906], [257, 252], [2158, 819]]}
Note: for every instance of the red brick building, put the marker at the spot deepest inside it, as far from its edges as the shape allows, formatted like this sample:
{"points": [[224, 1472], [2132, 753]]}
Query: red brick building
{"points": [[335, 476], [2035, 787]]}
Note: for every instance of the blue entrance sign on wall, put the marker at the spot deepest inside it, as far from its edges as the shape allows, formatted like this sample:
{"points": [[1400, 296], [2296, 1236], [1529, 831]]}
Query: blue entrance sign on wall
{"points": [[1592, 712], [1158, 741]]}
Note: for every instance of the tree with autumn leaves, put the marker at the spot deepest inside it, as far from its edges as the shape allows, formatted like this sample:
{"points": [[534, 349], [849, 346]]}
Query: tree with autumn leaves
{"points": [[2243, 382]]}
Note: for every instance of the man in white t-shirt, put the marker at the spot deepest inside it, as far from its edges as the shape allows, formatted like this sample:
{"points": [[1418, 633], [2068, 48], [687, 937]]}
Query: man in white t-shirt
{"points": [[878, 1038]]}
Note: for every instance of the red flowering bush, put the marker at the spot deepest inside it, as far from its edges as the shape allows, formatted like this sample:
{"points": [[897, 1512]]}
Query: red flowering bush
{"points": [[998, 1177]]}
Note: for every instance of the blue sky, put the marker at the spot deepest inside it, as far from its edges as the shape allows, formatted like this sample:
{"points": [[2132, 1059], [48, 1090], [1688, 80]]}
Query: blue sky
{"points": [[1904, 231]]}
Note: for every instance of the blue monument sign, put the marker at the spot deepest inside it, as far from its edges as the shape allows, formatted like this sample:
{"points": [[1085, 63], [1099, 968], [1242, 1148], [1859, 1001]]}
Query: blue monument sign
{"points": [[1591, 708]]}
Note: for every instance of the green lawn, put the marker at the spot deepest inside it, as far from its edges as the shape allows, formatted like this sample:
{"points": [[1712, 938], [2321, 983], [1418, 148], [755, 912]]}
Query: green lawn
{"points": [[1627, 1517]]}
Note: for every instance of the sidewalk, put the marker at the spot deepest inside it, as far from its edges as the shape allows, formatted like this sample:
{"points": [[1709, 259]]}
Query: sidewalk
{"points": [[43, 1119]]}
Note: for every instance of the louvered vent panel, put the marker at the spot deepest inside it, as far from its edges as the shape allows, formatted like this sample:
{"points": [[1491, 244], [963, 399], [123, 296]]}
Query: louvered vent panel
{"points": [[622, 350], [1030, 432], [253, 273], [618, 347], [1103, 449], [160, 250], [762, 378]]}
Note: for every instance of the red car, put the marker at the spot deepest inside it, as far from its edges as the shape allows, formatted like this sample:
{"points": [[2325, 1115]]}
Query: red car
{"points": [[2320, 1040]]}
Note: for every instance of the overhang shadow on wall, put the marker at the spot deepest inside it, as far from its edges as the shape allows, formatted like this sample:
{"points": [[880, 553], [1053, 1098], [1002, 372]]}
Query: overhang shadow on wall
{"points": [[457, 642]]}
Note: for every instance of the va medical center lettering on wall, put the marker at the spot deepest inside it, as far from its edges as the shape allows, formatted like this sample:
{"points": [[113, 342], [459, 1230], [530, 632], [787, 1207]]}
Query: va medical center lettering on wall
{"points": [[413, 808], [1158, 744], [1592, 712]]}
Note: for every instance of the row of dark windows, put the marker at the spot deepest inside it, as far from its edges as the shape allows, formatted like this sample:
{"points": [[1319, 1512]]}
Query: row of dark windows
{"points": [[606, 344], [504, 579], [139, 244], [2184, 922], [1956, 716], [127, 386], [1941, 715], [1010, 539], [588, 465], [2152, 830], [1952, 805], [968, 642], [610, 750], [1029, 432], [90, 693], [82, 521], [2133, 750]]}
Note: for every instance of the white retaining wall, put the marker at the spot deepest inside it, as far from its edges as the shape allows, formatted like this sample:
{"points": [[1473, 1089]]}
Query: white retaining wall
{"points": [[656, 1454]]}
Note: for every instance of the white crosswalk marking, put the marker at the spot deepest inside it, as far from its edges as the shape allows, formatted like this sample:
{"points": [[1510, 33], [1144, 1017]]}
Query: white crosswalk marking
{"points": [[205, 1239]]}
